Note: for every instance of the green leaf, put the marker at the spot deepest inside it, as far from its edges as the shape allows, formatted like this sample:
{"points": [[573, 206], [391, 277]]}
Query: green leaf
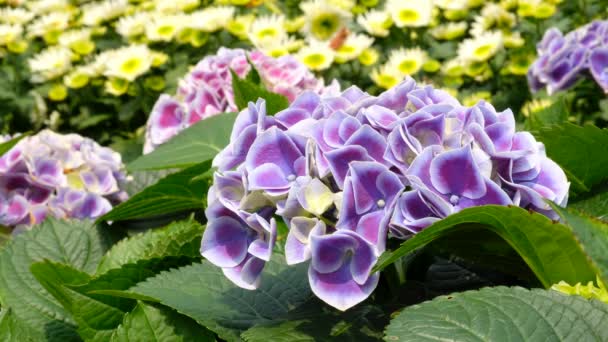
{"points": [[596, 205], [143, 179], [177, 239], [196, 144], [77, 243], [318, 322], [593, 236], [502, 314], [11, 329], [246, 91], [556, 113], [174, 193], [105, 286], [582, 151], [548, 248], [202, 292], [7, 145], [95, 319], [147, 323]]}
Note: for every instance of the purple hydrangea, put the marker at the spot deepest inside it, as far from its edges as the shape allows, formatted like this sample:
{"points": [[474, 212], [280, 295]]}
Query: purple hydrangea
{"points": [[562, 60], [349, 171], [207, 90], [66, 176]]}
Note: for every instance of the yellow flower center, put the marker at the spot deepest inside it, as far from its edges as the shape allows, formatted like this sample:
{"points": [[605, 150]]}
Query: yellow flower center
{"points": [[324, 25], [408, 67], [268, 32], [166, 30], [314, 60], [409, 15], [483, 51], [131, 65]]}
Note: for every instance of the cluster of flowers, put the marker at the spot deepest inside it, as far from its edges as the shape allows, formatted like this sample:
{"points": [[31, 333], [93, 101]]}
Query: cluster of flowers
{"points": [[66, 176], [347, 172], [319, 33], [481, 30], [207, 90], [562, 60]]}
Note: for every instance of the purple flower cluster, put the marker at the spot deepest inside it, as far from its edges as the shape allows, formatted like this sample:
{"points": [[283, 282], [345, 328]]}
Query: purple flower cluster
{"points": [[207, 90], [66, 176], [563, 59], [347, 172]]}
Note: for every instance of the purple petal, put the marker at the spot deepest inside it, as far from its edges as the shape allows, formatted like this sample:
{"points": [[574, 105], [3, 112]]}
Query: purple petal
{"points": [[247, 274], [339, 161], [455, 173], [225, 242], [329, 252]]}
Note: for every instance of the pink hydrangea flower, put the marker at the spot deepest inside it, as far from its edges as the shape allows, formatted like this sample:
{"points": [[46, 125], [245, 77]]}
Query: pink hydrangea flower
{"points": [[207, 90]]}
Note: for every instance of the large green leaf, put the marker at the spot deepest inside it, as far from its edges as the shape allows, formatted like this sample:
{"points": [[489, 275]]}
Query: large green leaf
{"points": [[11, 329], [196, 144], [77, 243], [95, 320], [581, 151], [593, 236], [7, 145], [176, 192], [596, 205], [315, 321], [556, 113], [547, 247], [245, 91], [202, 292], [502, 314], [147, 324], [177, 239]]}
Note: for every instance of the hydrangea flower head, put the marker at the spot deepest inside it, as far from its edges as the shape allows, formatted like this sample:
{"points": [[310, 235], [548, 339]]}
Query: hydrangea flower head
{"points": [[66, 176], [563, 59], [347, 172], [207, 90]]}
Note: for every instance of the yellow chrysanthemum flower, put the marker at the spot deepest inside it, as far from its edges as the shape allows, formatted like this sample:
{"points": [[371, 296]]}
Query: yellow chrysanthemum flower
{"points": [[323, 19], [316, 56], [386, 76], [410, 13]]}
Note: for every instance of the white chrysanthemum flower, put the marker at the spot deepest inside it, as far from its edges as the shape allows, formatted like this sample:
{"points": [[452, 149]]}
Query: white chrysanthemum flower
{"points": [[449, 31], [50, 63], [129, 62], [386, 76], [9, 33], [211, 19], [95, 13], [55, 21], [480, 48], [133, 25], [352, 47], [165, 27], [455, 5], [323, 19], [407, 62], [15, 15], [68, 38], [267, 31], [47, 6], [176, 6], [282, 47], [316, 55], [492, 16], [410, 13], [376, 22], [453, 67]]}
